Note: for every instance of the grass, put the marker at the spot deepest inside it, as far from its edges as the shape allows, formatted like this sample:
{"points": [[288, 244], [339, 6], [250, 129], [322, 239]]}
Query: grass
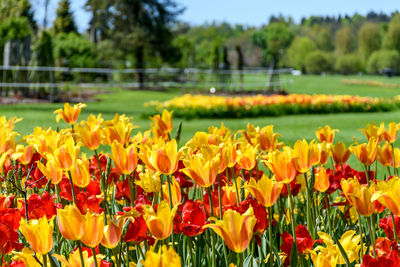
{"points": [[292, 127]]}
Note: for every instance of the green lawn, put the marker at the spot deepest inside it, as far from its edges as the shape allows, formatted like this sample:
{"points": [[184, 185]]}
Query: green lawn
{"points": [[291, 127]]}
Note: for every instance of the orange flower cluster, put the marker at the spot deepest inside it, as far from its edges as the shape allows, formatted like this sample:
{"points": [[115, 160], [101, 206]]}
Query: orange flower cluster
{"points": [[222, 198]]}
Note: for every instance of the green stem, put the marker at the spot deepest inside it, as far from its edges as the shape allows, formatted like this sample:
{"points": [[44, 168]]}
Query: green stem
{"points": [[372, 234], [394, 228], [171, 205], [219, 197], [44, 260], [103, 185], [361, 234], [81, 253], [211, 233], [329, 214], [308, 202], [394, 160], [72, 187], [94, 257], [271, 254], [292, 221]]}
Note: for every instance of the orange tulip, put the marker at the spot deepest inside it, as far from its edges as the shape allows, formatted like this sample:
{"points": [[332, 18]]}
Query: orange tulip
{"points": [[160, 222], [69, 114], [162, 125], [385, 155], [23, 154], [366, 153], [282, 164], [235, 229], [74, 259], [228, 157], [325, 149], [125, 159], [321, 183], [247, 156], [71, 222], [39, 234], [202, 167], [162, 156], [80, 172], [306, 155], [268, 139], [265, 190], [91, 138], [340, 153], [229, 196], [51, 170], [94, 227], [113, 233], [66, 154], [388, 193], [175, 192], [119, 128], [390, 135], [326, 134], [359, 196]]}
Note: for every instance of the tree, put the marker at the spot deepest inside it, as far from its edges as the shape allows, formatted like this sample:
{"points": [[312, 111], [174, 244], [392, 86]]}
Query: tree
{"points": [[348, 64], [392, 37], [317, 62], [299, 50], [324, 40], [64, 22], [344, 40], [139, 25], [382, 59], [11, 9], [369, 39]]}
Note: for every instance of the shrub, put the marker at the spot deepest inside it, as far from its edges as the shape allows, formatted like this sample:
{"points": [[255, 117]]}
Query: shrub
{"points": [[348, 64], [317, 62], [382, 59]]}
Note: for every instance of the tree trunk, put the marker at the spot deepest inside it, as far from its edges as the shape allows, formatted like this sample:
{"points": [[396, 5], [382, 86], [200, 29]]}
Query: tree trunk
{"points": [[139, 55]]}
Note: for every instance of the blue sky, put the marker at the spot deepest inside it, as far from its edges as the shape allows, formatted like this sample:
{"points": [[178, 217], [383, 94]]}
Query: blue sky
{"points": [[250, 12]]}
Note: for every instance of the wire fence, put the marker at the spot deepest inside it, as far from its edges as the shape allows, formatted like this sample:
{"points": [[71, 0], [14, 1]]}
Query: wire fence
{"points": [[47, 82]]}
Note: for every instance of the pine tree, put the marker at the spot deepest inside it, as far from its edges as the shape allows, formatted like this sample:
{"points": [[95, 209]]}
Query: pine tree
{"points": [[64, 21]]}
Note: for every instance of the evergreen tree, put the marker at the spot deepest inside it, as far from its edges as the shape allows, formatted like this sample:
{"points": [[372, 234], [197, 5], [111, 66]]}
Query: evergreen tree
{"points": [[64, 21]]}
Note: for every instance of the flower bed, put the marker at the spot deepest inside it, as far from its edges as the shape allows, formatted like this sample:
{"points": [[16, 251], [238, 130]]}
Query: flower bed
{"points": [[222, 199], [370, 83], [204, 106]]}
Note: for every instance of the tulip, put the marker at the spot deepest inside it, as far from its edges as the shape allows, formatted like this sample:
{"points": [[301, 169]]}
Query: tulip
{"points": [[390, 135], [265, 190], [150, 182], [75, 260], [366, 153], [231, 193], [388, 193], [385, 155], [66, 155], [162, 125], [325, 149], [359, 195], [326, 259], [282, 164], [69, 114], [91, 138], [160, 222], [321, 183], [340, 154], [202, 167], [71, 222], [112, 233], [94, 226], [326, 134], [268, 139], [175, 192], [162, 157], [51, 170], [125, 159], [168, 257], [228, 157], [235, 229], [80, 172], [247, 156], [306, 155], [23, 154], [371, 130], [39, 234], [119, 129]]}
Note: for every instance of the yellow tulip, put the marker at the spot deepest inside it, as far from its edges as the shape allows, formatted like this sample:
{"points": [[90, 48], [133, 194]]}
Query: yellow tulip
{"points": [[91, 138], [74, 259], [282, 164], [388, 193], [265, 190], [385, 155], [119, 129], [366, 153], [175, 192], [23, 154], [160, 222], [80, 172], [326, 134], [325, 150], [162, 125], [113, 233], [164, 257], [268, 139], [247, 156], [359, 195], [235, 229], [94, 227], [69, 114], [340, 153], [306, 155], [51, 170], [71, 222], [371, 130], [66, 154], [125, 159], [39, 234], [150, 182], [390, 135]]}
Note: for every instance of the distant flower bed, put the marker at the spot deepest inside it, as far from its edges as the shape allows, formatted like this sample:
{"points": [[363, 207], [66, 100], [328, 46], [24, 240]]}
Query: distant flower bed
{"points": [[370, 83], [204, 106]]}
